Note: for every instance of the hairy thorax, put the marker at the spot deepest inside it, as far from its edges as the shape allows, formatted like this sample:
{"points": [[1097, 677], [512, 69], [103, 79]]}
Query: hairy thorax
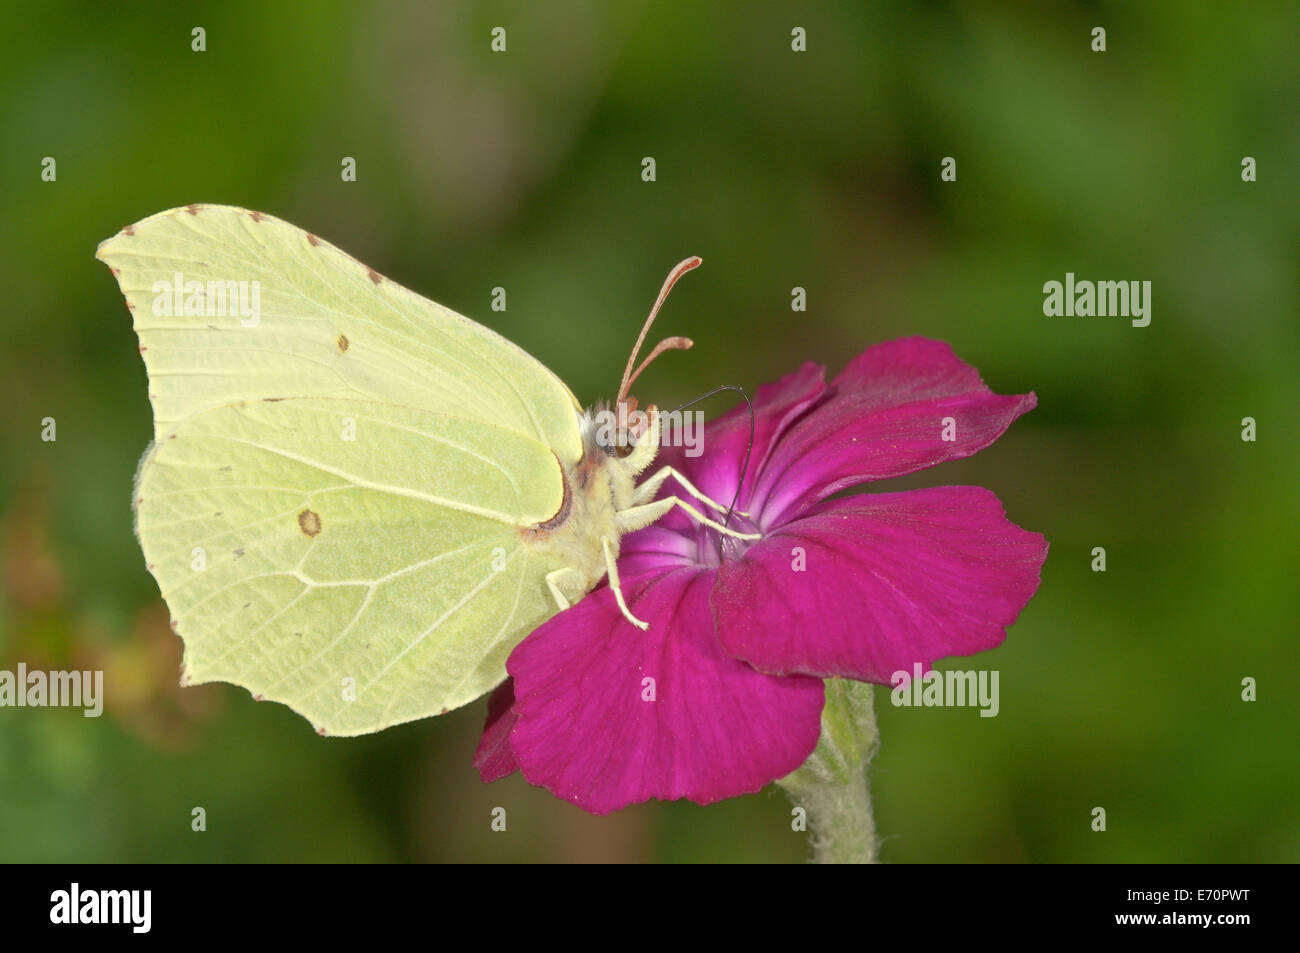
{"points": [[596, 489]]}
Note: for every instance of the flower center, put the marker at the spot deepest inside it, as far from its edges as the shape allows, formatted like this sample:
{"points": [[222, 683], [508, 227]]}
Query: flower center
{"points": [[713, 548]]}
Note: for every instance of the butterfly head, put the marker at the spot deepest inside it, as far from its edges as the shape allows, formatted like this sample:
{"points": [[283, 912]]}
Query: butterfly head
{"points": [[622, 437], [622, 441]]}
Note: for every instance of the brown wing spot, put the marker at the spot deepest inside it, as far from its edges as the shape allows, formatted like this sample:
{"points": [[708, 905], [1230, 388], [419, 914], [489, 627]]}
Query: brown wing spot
{"points": [[321, 732], [375, 276], [192, 209], [255, 216], [143, 349], [129, 230], [309, 522], [312, 239], [343, 342], [117, 272]]}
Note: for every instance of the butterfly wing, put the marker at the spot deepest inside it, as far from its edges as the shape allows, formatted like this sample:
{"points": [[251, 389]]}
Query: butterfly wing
{"points": [[360, 562], [349, 464], [325, 326]]}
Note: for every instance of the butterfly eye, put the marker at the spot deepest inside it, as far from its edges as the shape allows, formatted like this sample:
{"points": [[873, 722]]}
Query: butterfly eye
{"points": [[625, 445]]}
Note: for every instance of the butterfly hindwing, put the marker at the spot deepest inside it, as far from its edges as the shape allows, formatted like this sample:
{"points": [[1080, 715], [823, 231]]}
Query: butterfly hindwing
{"points": [[359, 561]]}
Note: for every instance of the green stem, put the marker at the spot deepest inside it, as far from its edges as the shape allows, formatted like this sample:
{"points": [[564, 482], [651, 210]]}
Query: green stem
{"points": [[831, 786]]}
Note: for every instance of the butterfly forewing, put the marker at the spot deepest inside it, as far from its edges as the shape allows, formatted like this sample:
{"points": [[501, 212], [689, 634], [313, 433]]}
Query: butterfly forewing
{"points": [[235, 305]]}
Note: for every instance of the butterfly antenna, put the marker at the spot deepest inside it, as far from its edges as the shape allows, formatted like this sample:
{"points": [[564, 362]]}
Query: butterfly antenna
{"points": [[744, 467], [667, 344]]}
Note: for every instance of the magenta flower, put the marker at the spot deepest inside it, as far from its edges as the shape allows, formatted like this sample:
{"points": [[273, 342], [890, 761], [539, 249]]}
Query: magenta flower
{"points": [[724, 692]]}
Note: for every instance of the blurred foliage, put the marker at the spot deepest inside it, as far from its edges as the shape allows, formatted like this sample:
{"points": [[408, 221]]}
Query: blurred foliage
{"points": [[780, 169]]}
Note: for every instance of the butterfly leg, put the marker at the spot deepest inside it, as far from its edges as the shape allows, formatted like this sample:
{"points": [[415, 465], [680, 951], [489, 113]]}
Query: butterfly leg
{"points": [[638, 517], [611, 568], [646, 491], [553, 584]]}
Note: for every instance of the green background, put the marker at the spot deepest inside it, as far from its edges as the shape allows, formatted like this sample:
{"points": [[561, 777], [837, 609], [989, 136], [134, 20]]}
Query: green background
{"points": [[820, 169]]}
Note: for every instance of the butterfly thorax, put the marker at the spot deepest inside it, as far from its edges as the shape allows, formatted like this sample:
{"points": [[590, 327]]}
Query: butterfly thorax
{"points": [[616, 448]]}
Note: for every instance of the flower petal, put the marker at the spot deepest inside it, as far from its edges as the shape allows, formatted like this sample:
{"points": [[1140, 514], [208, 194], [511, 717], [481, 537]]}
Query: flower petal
{"points": [[884, 417], [886, 580], [493, 756], [610, 715], [716, 470]]}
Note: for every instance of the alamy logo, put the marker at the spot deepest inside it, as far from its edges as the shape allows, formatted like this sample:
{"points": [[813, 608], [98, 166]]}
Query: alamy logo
{"points": [[1125, 299], [215, 299], [676, 428], [132, 907], [936, 689], [36, 689]]}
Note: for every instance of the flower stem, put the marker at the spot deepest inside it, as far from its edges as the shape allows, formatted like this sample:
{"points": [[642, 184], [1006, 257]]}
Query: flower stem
{"points": [[831, 786]]}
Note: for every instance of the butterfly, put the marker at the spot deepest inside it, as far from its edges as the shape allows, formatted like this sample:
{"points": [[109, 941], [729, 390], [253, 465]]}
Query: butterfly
{"points": [[356, 501]]}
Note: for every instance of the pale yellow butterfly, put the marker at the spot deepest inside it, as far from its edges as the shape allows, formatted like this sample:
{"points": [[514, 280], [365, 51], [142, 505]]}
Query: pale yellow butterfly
{"points": [[357, 501]]}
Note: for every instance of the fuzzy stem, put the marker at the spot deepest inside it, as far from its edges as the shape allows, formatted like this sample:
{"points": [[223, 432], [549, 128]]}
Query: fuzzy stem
{"points": [[831, 786]]}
